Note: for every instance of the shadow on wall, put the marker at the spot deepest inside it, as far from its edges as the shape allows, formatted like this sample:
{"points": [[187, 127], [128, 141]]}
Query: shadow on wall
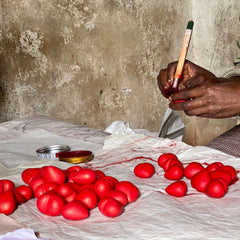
{"points": [[3, 79]]}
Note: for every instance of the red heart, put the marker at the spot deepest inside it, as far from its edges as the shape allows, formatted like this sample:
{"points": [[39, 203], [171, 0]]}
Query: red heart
{"points": [[110, 207], [117, 195], [216, 189], [50, 203], [214, 166], [29, 173], [75, 211], [164, 157], [200, 180], [129, 189], [88, 197], [84, 176], [7, 203], [6, 185], [174, 172], [144, 170], [102, 186], [192, 168], [177, 189], [219, 173], [25, 191], [53, 174]]}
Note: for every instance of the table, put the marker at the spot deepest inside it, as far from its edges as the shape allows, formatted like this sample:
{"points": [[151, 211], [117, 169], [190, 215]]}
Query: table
{"points": [[155, 215]]}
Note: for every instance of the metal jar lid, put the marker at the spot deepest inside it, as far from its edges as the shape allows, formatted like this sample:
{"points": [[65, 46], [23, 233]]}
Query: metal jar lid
{"points": [[76, 156], [52, 152]]}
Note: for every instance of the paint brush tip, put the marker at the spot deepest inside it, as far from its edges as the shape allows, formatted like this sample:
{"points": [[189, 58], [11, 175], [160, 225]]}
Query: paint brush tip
{"points": [[190, 25]]}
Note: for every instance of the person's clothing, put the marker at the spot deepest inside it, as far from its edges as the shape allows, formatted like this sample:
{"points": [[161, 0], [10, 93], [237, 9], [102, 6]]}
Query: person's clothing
{"points": [[228, 142]]}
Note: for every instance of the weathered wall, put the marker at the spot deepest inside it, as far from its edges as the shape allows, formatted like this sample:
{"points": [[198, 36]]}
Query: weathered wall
{"points": [[93, 62]]}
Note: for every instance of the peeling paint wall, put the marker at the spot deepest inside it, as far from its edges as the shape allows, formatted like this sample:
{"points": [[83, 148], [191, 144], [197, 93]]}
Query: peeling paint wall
{"points": [[93, 62]]}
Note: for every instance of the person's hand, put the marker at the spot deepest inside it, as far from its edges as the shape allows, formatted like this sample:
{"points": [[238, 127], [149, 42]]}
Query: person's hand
{"points": [[192, 76], [211, 100]]}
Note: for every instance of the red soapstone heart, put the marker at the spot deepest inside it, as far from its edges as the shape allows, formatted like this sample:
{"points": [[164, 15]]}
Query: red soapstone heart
{"points": [[131, 191], [167, 164], [174, 172], [64, 190], [164, 157], [88, 197], [177, 189], [102, 186], [44, 187], [50, 204], [215, 189], [117, 195], [35, 182], [219, 173], [7, 202], [225, 184], [6, 185], [110, 207], [25, 191], [29, 173], [99, 173], [73, 169], [144, 170], [231, 170], [75, 211], [200, 180], [53, 174], [110, 178], [192, 168], [67, 192], [84, 176], [87, 186], [75, 186], [20, 199], [214, 166]]}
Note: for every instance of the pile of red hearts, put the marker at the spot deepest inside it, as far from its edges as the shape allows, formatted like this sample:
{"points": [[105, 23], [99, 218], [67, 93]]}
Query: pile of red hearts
{"points": [[213, 180], [71, 193]]}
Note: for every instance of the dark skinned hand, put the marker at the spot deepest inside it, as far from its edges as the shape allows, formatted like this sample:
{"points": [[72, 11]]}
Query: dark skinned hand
{"points": [[210, 100], [210, 97], [192, 76]]}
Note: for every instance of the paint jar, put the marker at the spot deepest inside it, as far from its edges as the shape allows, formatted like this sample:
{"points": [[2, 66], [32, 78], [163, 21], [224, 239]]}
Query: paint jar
{"points": [[76, 156]]}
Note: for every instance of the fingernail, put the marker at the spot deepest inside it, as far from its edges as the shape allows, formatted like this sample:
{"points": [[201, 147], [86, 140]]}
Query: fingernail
{"points": [[170, 81], [170, 98]]}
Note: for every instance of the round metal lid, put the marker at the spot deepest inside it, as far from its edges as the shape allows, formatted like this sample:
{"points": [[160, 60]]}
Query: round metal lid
{"points": [[52, 152]]}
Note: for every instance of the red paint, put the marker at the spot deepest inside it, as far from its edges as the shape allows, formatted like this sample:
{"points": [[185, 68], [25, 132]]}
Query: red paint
{"points": [[124, 161]]}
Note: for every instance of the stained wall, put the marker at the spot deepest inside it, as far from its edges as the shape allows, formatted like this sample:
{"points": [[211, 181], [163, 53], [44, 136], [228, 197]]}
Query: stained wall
{"points": [[93, 62]]}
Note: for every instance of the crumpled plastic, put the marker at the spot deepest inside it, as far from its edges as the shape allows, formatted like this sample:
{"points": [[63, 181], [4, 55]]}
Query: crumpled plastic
{"points": [[21, 234], [172, 127]]}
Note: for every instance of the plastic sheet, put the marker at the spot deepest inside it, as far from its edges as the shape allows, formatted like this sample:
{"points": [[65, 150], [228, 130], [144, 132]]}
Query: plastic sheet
{"points": [[155, 215]]}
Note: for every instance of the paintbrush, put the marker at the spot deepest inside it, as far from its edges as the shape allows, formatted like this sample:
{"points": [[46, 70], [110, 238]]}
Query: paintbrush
{"points": [[183, 55]]}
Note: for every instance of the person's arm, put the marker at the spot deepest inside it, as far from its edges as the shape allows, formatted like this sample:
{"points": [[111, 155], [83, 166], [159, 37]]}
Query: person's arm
{"points": [[203, 94], [231, 79], [219, 100]]}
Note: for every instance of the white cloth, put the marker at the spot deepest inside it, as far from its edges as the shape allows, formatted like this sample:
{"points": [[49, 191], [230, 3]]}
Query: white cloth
{"points": [[155, 215]]}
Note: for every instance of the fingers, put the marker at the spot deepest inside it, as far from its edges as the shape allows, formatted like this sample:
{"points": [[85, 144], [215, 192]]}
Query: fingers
{"points": [[188, 93], [192, 108], [171, 69], [162, 82], [192, 82]]}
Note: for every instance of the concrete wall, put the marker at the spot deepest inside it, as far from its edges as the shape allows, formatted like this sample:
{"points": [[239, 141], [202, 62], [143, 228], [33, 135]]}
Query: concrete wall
{"points": [[93, 62]]}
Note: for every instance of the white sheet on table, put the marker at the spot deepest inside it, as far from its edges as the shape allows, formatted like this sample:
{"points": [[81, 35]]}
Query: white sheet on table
{"points": [[155, 215], [22, 149]]}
